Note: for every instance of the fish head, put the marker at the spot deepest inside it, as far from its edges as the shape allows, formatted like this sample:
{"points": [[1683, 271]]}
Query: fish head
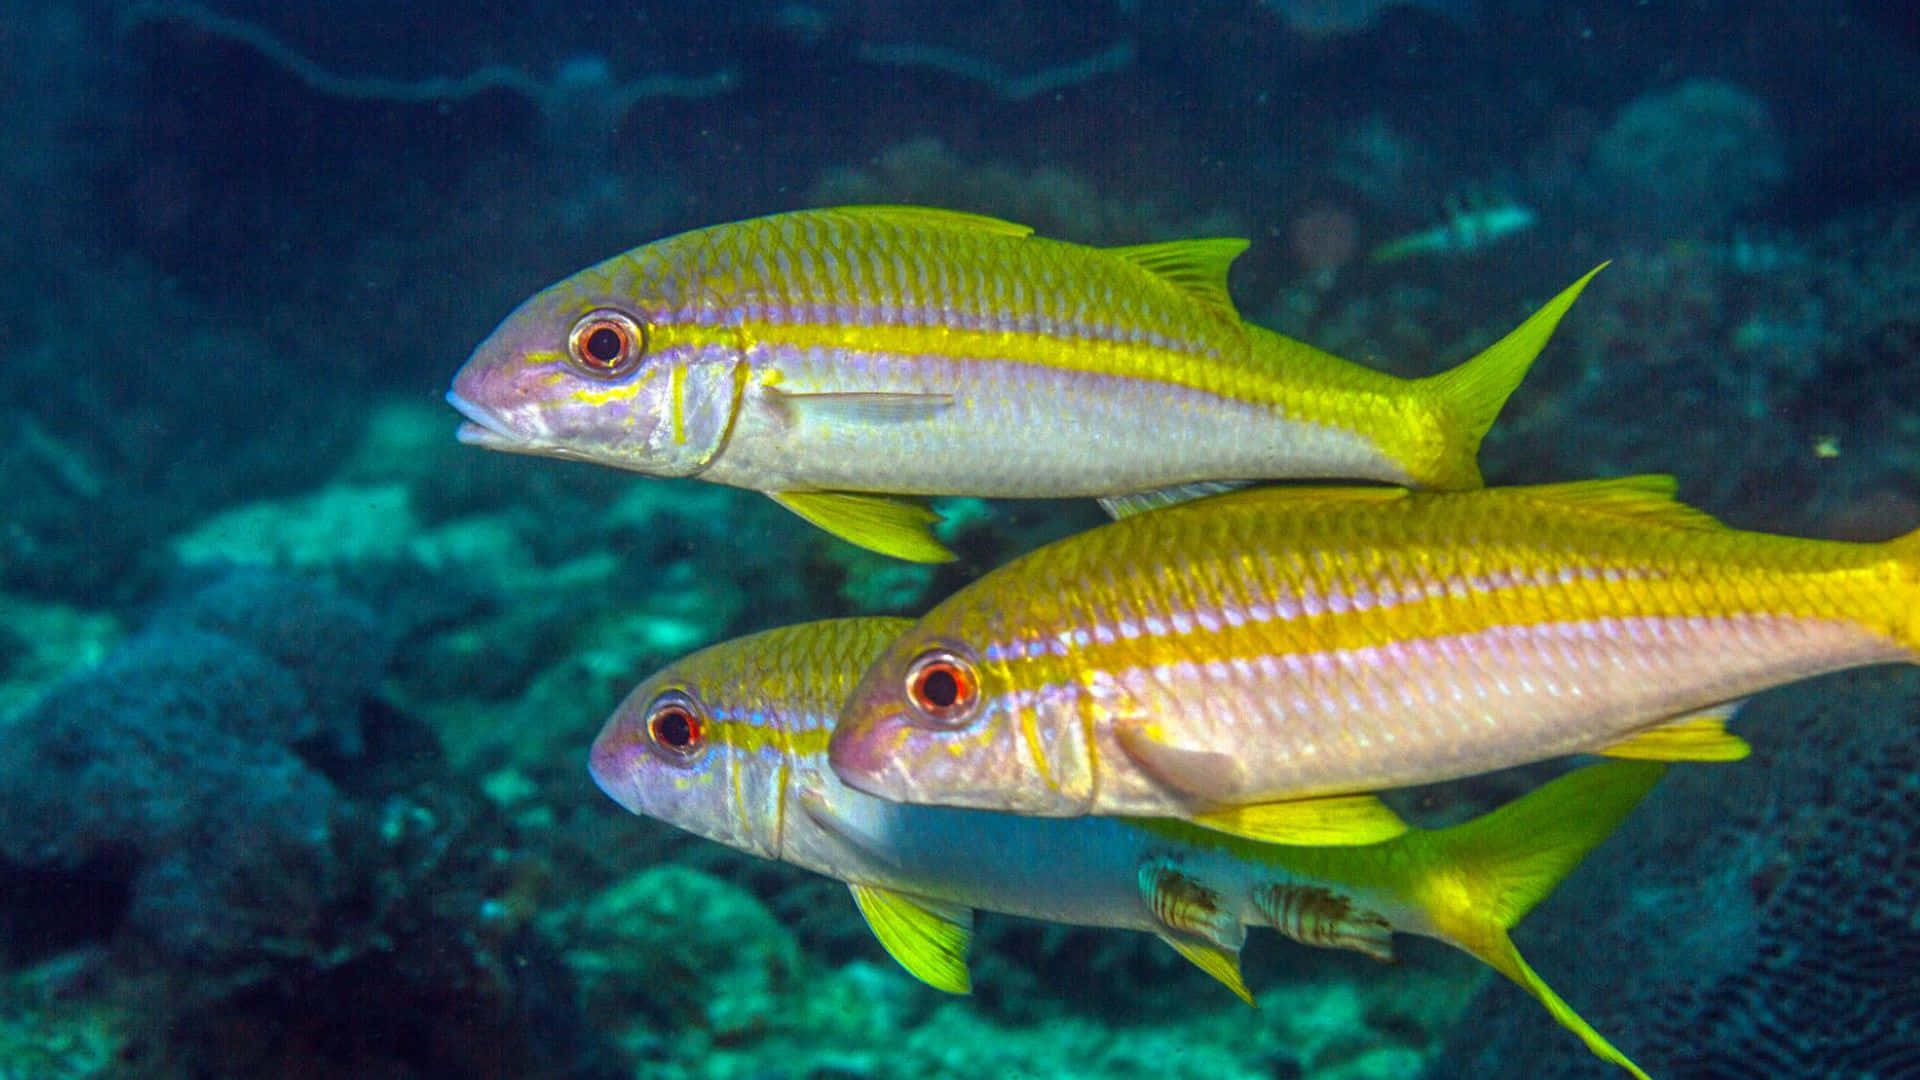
{"points": [[632, 363], [722, 742], [938, 721]]}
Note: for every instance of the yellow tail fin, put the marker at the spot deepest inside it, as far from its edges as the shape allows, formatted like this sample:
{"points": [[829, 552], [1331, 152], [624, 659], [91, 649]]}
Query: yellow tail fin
{"points": [[1472, 394], [1478, 879]]}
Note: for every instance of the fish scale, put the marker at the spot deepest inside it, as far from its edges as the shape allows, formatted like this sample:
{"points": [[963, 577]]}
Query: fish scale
{"points": [[838, 358], [759, 780], [1276, 645]]}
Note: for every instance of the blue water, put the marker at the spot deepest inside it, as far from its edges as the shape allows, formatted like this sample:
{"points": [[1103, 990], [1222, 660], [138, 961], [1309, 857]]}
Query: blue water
{"points": [[296, 691]]}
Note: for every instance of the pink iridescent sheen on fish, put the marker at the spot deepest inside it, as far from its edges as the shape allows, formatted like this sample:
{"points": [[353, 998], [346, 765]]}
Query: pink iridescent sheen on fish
{"points": [[730, 743], [1258, 661], [835, 359]]}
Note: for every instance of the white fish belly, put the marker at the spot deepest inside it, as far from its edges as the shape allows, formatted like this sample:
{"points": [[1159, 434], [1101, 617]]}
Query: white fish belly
{"points": [[1015, 430]]}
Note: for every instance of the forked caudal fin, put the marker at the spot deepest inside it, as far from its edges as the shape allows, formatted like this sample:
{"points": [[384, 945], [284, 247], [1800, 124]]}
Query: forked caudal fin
{"points": [[1478, 879], [1472, 394]]}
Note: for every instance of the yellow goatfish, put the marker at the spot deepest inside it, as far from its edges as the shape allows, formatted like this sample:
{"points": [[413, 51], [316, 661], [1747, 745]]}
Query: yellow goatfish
{"points": [[730, 743], [837, 358], [1257, 661]]}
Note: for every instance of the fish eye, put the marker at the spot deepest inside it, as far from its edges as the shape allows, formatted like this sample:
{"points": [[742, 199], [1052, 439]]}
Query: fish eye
{"points": [[606, 344], [674, 728], [943, 687]]}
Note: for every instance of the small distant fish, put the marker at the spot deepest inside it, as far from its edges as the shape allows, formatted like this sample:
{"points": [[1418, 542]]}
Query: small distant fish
{"points": [[1467, 229], [1758, 250], [730, 744], [1255, 661], [1339, 18], [835, 359]]}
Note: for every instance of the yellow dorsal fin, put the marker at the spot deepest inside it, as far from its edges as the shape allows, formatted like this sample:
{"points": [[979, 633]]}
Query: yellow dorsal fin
{"points": [[1649, 496], [1701, 736], [1222, 964], [927, 937], [889, 526], [936, 218], [1195, 267], [1334, 820], [1478, 879]]}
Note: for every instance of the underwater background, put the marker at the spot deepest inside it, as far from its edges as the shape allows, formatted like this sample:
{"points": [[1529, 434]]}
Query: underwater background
{"points": [[296, 692]]}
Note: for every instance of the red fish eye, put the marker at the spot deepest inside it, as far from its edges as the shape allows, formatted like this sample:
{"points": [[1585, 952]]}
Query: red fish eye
{"points": [[606, 344], [943, 687], [674, 728]]}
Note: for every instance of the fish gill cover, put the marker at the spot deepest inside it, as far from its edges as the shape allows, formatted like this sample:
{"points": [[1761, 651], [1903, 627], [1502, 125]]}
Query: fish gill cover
{"points": [[296, 691]]}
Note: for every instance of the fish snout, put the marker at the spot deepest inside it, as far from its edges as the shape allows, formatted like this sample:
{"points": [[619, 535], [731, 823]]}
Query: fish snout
{"points": [[862, 754], [610, 763]]}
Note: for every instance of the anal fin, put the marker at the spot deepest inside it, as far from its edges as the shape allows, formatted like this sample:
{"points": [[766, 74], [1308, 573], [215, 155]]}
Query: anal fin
{"points": [[1139, 502], [1701, 736], [1197, 921], [1222, 964], [890, 526], [928, 937]]}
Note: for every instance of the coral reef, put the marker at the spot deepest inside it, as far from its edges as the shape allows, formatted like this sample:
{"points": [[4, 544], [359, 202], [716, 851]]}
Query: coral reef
{"points": [[224, 804], [1687, 159], [295, 689], [1757, 921]]}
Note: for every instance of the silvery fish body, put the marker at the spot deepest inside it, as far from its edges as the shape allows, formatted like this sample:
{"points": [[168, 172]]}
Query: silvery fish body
{"points": [[730, 743], [835, 358], [1263, 649]]}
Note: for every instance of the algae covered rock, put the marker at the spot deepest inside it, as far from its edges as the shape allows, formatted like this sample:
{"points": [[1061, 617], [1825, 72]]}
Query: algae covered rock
{"points": [[672, 949]]}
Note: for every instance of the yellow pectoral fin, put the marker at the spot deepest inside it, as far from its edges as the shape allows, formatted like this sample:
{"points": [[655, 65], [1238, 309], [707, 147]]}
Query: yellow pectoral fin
{"points": [[927, 937], [876, 522], [1701, 736], [1331, 821], [1222, 964]]}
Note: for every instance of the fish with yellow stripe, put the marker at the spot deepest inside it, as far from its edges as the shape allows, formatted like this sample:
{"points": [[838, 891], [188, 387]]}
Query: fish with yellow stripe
{"points": [[839, 359], [730, 743], [1259, 661]]}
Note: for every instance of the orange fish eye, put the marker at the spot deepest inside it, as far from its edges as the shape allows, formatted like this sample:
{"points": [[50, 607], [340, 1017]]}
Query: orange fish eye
{"points": [[606, 344], [943, 687], [674, 729]]}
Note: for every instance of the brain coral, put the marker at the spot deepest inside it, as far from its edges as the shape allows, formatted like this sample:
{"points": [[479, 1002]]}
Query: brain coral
{"points": [[1691, 157], [1754, 920]]}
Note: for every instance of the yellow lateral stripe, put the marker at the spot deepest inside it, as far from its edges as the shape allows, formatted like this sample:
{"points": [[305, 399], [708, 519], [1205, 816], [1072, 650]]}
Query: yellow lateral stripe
{"points": [[1196, 368], [753, 738], [1726, 596]]}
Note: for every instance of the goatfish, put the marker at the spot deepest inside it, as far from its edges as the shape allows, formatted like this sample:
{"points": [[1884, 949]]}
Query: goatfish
{"points": [[730, 744], [1259, 661], [840, 359]]}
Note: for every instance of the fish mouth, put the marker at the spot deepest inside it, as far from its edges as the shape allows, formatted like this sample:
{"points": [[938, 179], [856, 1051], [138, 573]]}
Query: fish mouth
{"points": [[482, 428]]}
